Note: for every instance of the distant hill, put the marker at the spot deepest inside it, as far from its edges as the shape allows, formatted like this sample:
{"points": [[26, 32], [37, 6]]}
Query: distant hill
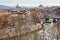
{"points": [[55, 6], [3, 6]]}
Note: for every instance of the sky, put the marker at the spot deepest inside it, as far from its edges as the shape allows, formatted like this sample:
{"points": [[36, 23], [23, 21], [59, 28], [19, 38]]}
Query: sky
{"points": [[32, 3]]}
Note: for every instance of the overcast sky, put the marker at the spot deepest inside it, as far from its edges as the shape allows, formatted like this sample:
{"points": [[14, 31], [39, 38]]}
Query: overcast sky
{"points": [[30, 2]]}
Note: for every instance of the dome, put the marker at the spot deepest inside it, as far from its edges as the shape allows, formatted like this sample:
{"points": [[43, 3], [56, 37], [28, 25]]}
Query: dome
{"points": [[40, 5], [17, 6]]}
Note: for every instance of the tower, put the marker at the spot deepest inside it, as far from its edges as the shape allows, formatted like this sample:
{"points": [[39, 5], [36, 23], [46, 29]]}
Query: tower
{"points": [[17, 6]]}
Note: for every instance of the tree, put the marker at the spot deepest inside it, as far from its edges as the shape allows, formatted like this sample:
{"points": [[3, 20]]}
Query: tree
{"points": [[3, 21]]}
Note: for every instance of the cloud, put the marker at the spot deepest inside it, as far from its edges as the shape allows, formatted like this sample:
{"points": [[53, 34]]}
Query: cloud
{"points": [[30, 2]]}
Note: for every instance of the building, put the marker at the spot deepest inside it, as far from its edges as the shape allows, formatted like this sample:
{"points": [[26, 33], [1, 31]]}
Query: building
{"points": [[41, 7], [22, 14], [4, 19]]}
